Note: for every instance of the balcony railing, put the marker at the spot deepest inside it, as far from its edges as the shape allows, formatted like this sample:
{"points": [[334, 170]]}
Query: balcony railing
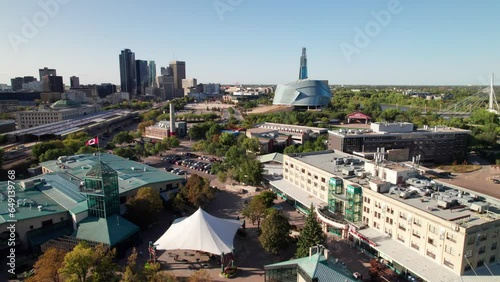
{"points": [[323, 215]]}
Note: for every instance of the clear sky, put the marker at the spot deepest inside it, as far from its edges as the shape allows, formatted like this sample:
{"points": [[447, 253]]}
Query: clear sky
{"points": [[257, 41]]}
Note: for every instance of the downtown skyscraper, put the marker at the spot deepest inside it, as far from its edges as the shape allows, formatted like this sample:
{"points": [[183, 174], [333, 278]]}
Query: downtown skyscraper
{"points": [[128, 75], [142, 73], [179, 73], [152, 74]]}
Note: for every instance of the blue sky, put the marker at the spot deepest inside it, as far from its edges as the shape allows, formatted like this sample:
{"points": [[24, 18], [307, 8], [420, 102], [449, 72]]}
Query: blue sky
{"points": [[257, 41]]}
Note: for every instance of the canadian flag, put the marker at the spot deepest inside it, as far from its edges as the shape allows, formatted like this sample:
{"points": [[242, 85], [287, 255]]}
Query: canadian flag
{"points": [[92, 141]]}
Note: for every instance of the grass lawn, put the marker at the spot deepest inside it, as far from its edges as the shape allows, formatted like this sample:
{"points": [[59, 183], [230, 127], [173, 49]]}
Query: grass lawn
{"points": [[460, 168]]}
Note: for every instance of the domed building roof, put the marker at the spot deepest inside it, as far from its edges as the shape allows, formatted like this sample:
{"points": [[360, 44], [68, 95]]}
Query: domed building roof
{"points": [[65, 103], [310, 93]]}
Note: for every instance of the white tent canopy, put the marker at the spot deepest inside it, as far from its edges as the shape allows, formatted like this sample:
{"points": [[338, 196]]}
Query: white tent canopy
{"points": [[202, 232]]}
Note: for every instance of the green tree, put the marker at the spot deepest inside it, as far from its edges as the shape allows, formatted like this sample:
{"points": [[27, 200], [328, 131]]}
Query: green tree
{"points": [[131, 273], [123, 137], [78, 262], [275, 232], [141, 127], [251, 144], [144, 207], [250, 172], [47, 266], [255, 210], [105, 270], [197, 191], [124, 152], [311, 235], [268, 197], [41, 148]]}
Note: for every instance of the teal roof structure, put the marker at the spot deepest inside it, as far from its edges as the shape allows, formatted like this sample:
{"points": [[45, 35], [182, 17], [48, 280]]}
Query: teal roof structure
{"points": [[65, 103], [111, 230], [99, 170], [30, 203], [316, 266], [131, 175], [273, 157]]}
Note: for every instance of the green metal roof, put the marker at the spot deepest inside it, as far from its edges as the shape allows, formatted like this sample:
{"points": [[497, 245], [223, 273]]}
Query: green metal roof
{"points": [[99, 170], [316, 266], [131, 175], [111, 230], [29, 200], [273, 157]]}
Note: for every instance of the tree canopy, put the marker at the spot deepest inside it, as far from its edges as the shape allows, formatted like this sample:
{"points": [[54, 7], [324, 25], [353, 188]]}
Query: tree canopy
{"points": [[275, 232], [144, 207], [311, 235]]}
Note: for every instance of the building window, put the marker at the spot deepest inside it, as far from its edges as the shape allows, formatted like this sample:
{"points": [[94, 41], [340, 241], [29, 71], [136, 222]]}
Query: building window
{"points": [[451, 237], [448, 263], [494, 246], [470, 240], [402, 215], [415, 246], [431, 254], [416, 233], [31, 227], [449, 250], [482, 237], [431, 241], [402, 226], [481, 250], [323, 180], [433, 229], [492, 259], [480, 263], [401, 238], [417, 222], [303, 171], [291, 165]]}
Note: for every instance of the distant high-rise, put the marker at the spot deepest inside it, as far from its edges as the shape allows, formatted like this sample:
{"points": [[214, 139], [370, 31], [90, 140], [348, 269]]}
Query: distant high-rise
{"points": [[142, 73], [179, 72], [166, 71], [17, 83], [187, 84], [46, 72], [128, 76], [74, 81], [303, 65], [53, 83], [152, 74]]}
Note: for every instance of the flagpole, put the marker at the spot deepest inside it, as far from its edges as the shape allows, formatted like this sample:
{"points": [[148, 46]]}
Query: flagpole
{"points": [[98, 151]]}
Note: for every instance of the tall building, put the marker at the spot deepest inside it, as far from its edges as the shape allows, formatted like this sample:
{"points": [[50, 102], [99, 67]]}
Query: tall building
{"points": [[46, 72], [17, 83], [187, 84], [74, 81], [128, 76], [152, 74], [53, 84], [303, 65], [179, 72], [166, 71], [166, 85], [142, 73]]}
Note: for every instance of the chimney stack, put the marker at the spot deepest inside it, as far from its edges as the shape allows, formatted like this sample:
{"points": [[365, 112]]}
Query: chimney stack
{"points": [[172, 120]]}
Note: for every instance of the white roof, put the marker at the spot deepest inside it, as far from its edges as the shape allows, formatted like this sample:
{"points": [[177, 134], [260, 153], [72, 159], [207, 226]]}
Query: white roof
{"points": [[297, 193], [202, 232]]}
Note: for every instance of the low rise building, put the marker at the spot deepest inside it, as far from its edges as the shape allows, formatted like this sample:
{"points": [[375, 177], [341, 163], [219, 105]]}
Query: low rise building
{"points": [[68, 198], [59, 111], [161, 130], [402, 142], [415, 225]]}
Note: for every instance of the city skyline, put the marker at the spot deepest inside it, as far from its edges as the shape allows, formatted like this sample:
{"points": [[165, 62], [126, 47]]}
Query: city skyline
{"points": [[374, 43]]}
